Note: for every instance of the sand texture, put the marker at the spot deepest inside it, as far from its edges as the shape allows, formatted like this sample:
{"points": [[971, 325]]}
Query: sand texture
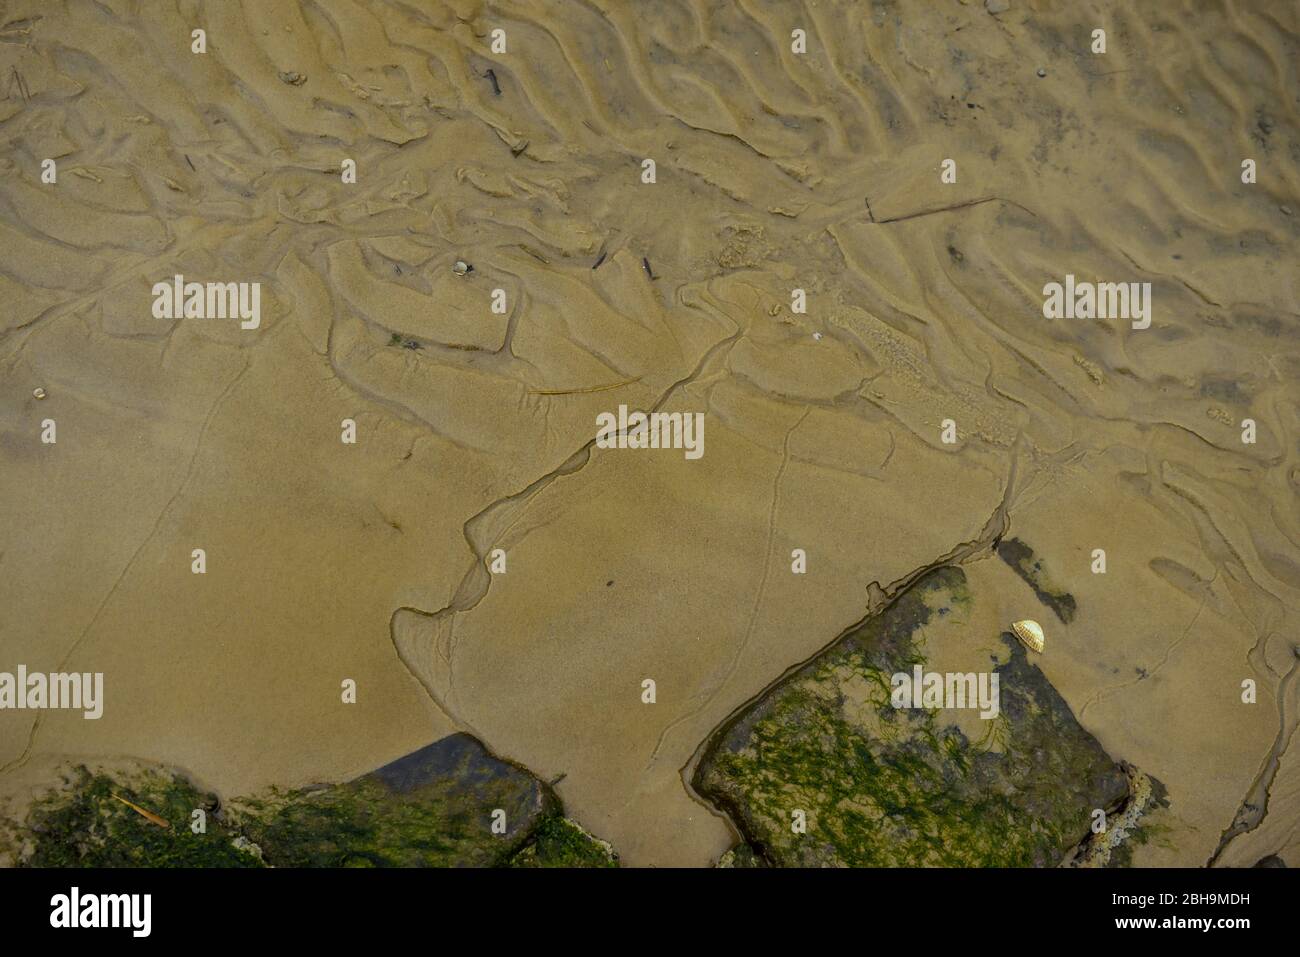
{"points": [[824, 429]]}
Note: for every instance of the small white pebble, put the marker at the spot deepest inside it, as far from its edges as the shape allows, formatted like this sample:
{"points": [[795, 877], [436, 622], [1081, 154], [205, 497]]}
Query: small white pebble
{"points": [[817, 336], [461, 268]]}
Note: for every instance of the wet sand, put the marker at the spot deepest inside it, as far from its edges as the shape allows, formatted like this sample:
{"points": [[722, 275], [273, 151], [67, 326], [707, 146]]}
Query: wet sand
{"points": [[774, 171]]}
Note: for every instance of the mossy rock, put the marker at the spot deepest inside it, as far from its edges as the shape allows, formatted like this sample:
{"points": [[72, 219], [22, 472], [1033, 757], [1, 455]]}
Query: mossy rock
{"points": [[85, 825], [892, 787], [432, 808], [740, 857], [559, 842]]}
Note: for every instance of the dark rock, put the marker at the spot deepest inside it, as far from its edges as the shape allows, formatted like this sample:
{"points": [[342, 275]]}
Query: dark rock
{"points": [[1021, 558], [882, 786]]}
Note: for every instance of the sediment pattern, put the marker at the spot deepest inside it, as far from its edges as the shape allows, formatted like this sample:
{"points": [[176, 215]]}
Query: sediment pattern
{"points": [[775, 171]]}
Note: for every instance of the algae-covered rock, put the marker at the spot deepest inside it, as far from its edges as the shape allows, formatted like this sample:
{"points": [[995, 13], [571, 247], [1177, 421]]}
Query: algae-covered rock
{"points": [[1126, 827], [823, 769], [435, 807], [741, 856], [88, 824], [450, 804], [559, 842]]}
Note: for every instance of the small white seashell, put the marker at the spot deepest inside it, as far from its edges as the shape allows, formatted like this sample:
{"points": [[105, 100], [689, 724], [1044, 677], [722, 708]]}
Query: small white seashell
{"points": [[461, 268], [38, 393], [817, 336], [1030, 634]]}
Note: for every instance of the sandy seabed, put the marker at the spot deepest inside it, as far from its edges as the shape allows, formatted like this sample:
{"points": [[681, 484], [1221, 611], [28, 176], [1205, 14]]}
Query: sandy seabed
{"points": [[774, 171]]}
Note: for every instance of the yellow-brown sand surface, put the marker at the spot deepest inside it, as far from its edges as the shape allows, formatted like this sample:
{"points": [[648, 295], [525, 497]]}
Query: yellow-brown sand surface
{"points": [[774, 171]]}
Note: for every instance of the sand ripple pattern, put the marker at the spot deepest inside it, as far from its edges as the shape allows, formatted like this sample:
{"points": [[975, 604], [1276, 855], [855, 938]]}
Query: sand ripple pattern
{"points": [[775, 171]]}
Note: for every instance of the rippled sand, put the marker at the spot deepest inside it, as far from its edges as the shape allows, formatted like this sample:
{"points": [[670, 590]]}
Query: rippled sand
{"points": [[775, 171]]}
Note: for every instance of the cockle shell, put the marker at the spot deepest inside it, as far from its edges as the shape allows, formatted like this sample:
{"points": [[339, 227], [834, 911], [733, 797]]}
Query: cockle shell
{"points": [[1030, 634]]}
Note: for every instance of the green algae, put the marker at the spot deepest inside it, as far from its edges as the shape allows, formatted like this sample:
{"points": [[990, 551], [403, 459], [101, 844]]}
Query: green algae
{"points": [[893, 787], [359, 825], [450, 804], [84, 825], [559, 842]]}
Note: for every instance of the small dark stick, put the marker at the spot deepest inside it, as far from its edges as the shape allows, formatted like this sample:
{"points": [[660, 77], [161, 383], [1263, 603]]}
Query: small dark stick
{"points": [[646, 264], [190, 161], [496, 87], [597, 263]]}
